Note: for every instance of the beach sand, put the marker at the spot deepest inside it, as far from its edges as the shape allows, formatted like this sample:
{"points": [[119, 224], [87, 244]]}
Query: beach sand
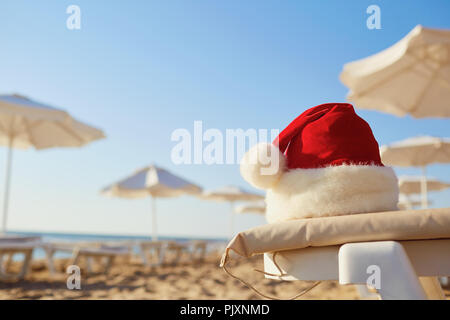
{"points": [[130, 280]]}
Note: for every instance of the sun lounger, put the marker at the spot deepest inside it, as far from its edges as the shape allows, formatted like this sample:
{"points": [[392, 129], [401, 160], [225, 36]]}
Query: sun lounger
{"points": [[51, 248], [156, 253], [11, 245], [407, 250], [174, 251], [106, 252], [88, 250], [152, 252], [404, 266], [197, 250]]}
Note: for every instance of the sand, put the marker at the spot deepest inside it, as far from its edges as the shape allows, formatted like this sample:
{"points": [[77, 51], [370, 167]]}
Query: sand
{"points": [[130, 280]]}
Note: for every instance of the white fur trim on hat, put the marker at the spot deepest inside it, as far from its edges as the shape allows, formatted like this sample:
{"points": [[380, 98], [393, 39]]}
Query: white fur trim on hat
{"points": [[263, 165], [332, 191]]}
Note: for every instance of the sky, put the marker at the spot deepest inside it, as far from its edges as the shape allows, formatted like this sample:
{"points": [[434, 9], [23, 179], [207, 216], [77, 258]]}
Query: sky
{"points": [[141, 69]]}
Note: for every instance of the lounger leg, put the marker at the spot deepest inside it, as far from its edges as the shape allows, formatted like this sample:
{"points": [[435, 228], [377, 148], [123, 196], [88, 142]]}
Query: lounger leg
{"points": [[387, 261], [9, 259], [432, 288], [2, 266], [26, 265], [50, 263], [4, 275], [75, 257], [144, 256], [198, 253], [161, 255], [152, 256], [177, 255], [202, 253], [89, 264], [109, 263]]}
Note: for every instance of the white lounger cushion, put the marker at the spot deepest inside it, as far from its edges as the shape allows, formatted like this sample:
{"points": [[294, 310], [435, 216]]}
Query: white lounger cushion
{"points": [[326, 231]]}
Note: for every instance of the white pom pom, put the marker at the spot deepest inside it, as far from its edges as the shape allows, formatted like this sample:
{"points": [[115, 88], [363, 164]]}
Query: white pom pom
{"points": [[263, 165]]}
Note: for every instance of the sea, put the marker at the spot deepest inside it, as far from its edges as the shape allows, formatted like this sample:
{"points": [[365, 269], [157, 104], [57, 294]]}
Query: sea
{"points": [[38, 253]]}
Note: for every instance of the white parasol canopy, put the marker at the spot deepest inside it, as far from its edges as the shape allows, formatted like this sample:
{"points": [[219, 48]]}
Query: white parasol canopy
{"points": [[154, 182], [252, 207], [29, 124], [410, 77], [417, 152], [230, 194], [412, 185]]}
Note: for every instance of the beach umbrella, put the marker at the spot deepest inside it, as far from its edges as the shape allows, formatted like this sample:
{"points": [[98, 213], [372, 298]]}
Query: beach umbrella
{"points": [[230, 194], [252, 207], [410, 77], [417, 152], [153, 182], [25, 123], [413, 185]]}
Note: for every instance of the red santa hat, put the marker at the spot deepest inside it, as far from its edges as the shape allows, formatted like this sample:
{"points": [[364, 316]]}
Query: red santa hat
{"points": [[325, 162]]}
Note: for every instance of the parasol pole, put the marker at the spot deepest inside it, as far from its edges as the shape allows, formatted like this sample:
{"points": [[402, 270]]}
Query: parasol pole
{"points": [[7, 185], [423, 188], [154, 222], [231, 221]]}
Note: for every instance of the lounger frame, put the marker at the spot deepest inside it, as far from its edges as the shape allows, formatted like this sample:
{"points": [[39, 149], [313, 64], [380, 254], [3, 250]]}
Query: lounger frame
{"points": [[408, 269]]}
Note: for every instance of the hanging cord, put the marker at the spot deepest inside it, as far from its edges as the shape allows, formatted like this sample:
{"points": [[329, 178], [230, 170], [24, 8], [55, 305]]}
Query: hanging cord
{"points": [[281, 273], [280, 276]]}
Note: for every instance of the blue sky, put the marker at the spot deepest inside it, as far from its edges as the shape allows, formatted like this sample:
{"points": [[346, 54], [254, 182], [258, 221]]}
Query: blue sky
{"points": [[141, 69]]}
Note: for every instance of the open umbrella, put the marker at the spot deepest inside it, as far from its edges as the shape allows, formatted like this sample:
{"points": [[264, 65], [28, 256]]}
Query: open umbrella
{"points": [[413, 185], [153, 182], [230, 194], [410, 77], [29, 124], [417, 152], [252, 207]]}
